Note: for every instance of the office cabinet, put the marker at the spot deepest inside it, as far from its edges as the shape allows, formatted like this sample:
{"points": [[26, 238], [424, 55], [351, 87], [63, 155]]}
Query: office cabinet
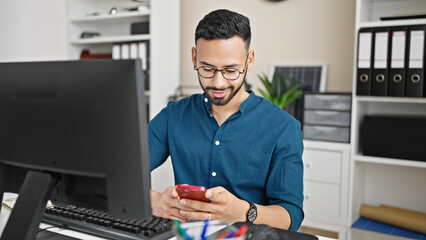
{"points": [[163, 16], [327, 117], [326, 185], [379, 180]]}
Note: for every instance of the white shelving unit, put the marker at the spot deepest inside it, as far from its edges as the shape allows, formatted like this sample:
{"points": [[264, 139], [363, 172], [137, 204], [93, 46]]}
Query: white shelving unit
{"points": [[376, 180], [163, 39], [326, 186]]}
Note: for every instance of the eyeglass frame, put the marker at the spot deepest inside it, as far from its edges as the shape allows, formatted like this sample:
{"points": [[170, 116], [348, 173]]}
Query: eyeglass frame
{"points": [[221, 70]]}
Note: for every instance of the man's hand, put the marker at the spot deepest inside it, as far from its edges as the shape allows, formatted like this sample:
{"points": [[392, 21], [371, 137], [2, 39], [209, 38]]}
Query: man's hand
{"points": [[167, 204], [223, 206]]}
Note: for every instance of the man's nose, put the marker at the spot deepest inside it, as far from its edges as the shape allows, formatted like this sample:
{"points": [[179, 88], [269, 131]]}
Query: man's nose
{"points": [[219, 80]]}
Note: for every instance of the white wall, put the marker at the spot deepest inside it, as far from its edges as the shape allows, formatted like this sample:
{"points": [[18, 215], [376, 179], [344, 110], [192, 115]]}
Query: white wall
{"points": [[292, 31], [33, 30]]}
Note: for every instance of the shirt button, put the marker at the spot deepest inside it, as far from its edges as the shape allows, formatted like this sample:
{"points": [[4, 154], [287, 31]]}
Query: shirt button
{"points": [[211, 115], [206, 100], [217, 143], [214, 174]]}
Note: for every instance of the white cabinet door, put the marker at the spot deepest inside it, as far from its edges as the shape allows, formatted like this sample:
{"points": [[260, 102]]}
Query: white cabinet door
{"points": [[322, 198], [322, 165]]}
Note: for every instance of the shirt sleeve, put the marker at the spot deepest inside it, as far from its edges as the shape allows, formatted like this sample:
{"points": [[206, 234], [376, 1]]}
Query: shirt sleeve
{"points": [[285, 181], [158, 141]]}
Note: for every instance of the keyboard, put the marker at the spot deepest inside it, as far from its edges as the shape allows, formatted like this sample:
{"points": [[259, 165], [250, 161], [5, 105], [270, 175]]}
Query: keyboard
{"points": [[100, 223]]}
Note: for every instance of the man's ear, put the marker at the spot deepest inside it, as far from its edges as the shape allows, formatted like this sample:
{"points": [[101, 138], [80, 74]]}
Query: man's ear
{"points": [[250, 60], [194, 55]]}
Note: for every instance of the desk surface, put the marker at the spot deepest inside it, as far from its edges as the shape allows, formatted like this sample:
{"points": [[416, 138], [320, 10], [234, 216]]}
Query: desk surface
{"points": [[4, 216]]}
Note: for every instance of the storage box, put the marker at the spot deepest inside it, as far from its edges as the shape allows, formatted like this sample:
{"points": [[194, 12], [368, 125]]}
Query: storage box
{"points": [[327, 116], [326, 133], [394, 137], [139, 28], [328, 101], [333, 118]]}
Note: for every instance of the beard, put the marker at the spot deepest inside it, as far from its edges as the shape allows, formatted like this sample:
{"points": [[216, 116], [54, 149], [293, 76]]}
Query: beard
{"points": [[223, 100]]}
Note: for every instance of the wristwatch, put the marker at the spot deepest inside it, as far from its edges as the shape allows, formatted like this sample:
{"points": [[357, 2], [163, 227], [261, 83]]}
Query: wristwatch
{"points": [[251, 213]]}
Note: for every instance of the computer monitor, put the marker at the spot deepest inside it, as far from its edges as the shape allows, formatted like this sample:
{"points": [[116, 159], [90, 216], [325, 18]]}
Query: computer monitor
{"points": [[74, 132]]}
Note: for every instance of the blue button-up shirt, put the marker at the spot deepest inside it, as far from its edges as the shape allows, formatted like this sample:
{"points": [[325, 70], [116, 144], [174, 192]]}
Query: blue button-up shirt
{"points": [[256, 154]]}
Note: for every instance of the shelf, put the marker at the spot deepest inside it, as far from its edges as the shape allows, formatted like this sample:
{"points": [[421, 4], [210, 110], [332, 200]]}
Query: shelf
{"points": [[360, 234], [326, 145], [390, 99], [108, 17], [111, 39], [389, 23], [369, 12], [390, 161]]}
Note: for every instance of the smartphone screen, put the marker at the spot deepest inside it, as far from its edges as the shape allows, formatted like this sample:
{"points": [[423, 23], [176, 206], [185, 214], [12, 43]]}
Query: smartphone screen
{"points": [[192, 192]]}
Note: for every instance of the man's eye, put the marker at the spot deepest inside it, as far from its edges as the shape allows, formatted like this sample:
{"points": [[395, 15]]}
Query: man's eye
{"points": [[206, 69], [230, 70]]}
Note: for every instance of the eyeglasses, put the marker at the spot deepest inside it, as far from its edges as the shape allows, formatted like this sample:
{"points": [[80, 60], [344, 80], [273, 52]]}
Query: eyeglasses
{"points": [[227, 73]]}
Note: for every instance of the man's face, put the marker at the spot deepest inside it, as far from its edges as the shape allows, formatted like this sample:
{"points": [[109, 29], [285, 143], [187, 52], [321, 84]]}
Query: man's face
{"points": [[222, 54]]}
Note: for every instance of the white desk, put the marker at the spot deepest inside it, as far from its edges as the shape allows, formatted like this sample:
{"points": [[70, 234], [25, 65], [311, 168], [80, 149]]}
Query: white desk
{"points": [[5, 213]]}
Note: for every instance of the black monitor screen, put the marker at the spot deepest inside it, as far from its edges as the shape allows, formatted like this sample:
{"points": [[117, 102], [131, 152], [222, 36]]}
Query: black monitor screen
{"points": [[82, 122]]}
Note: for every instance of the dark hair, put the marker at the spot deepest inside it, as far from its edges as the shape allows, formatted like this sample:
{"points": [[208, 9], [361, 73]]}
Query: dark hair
{"points": [[223, 24]]}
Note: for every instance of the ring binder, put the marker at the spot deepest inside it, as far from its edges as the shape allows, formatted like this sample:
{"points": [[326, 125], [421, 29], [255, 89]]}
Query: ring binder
{"points": [[365, 40], [397, 69], [379, 83], [415, 65]]}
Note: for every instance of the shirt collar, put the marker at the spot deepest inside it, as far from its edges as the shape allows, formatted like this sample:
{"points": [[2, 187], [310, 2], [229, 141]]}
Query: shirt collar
{"points": [[243, 105], [248, 101]]}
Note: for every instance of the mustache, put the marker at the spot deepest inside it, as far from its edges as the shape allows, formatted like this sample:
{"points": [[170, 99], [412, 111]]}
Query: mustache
{"points": [[218, 89]]}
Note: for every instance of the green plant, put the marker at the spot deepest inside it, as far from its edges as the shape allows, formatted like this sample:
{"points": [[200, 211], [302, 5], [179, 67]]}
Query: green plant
{"points": [[282, 90]]}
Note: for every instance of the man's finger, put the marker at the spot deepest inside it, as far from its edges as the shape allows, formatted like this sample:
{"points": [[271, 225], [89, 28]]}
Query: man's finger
{"points": [[197, 215], [180, 219], [174, 213], [183, 206], [175, 203], [174, 193], [194, 205]]}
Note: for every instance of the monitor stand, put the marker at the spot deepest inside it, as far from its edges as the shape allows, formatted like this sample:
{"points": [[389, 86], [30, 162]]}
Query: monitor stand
{"points": [[28, 210]]}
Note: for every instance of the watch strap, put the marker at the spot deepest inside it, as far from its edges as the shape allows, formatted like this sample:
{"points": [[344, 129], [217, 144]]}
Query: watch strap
{"points": [[251, 214]]}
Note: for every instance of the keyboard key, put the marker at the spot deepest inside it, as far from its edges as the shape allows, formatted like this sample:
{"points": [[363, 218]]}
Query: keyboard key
{"points": [[107, 223], [148, 233], [136, 230]]}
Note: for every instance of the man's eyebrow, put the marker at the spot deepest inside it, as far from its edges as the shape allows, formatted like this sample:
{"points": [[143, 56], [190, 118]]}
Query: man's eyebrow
{"points": [[206, 63], [231, 65], [226, 66]]}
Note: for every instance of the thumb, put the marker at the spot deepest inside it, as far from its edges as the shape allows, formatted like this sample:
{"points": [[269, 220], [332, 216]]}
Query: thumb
{"points": [[217, 194], [172, 192]]}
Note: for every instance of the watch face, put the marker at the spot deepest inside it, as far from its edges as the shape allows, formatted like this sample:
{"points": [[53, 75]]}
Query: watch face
{"points": [[252, 214]]}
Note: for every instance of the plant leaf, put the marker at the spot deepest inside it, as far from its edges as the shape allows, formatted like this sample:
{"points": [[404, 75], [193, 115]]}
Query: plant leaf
{"points": [[269, 88], [282, 90], [264, 94], [292, 94]]}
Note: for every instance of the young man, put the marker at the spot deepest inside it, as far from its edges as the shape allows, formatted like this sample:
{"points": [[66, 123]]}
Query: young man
{"points": [[243, 148]]}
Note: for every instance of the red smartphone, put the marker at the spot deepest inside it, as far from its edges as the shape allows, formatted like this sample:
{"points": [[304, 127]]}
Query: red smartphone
{"points": [[192, 192]]}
